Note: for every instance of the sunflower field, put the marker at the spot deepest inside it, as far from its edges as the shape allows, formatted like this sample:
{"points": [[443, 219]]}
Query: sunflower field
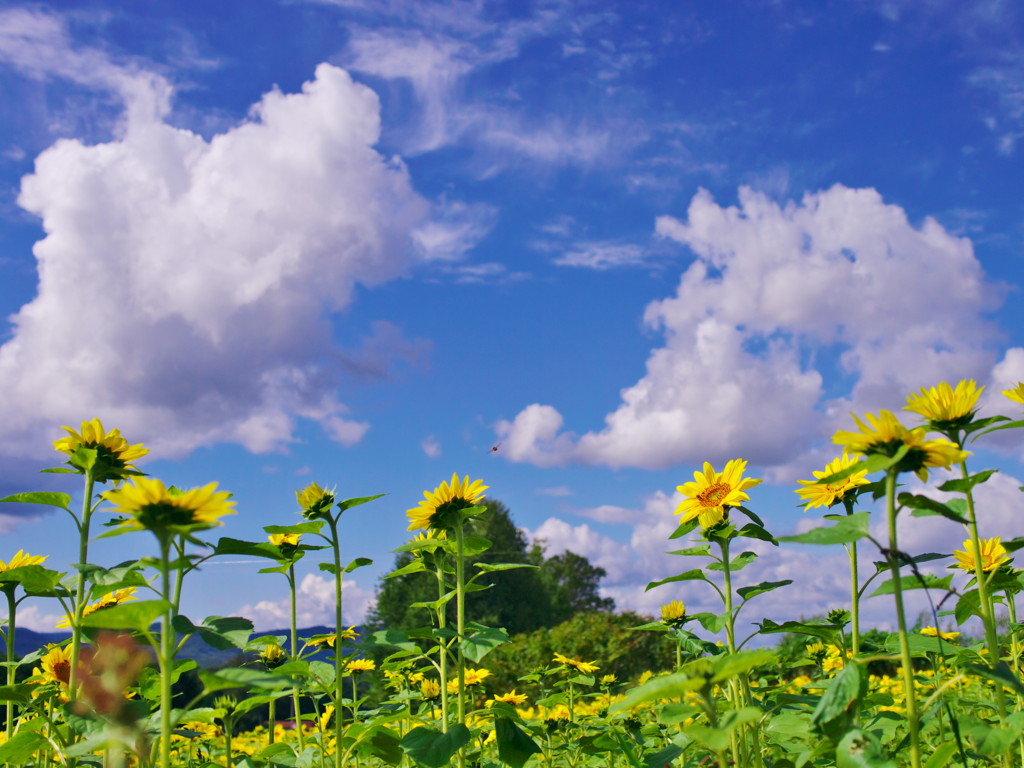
{"points": [[836, 695]]}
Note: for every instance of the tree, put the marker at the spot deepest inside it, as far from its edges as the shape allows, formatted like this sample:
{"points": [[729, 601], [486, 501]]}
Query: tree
{"points": [[520, 600]]}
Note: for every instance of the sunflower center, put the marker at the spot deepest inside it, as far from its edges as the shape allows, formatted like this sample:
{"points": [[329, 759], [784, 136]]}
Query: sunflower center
{"points": [[713, 495], [62, 671], [162, 514]]}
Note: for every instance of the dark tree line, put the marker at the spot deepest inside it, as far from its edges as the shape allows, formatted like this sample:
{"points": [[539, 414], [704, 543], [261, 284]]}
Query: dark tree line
{"points": [[520, 600]]}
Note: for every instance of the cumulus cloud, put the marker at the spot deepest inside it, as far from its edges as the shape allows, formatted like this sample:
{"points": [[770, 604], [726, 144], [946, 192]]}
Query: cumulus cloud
{"points": [[186, 285], [315, 605], [789, 316]]}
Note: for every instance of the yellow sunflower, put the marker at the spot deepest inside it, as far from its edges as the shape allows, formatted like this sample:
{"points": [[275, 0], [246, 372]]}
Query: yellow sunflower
{"points": [[818, 494], [284, 539], [114, 456], [582, 666], [711, 491], [116, 597], [673, 613], [934, 632], [21, 558], [430, 689], [55, 666], [993, 554], [472, 677], [1016, 394], [272, 655], [150, 505], [945, 406], [360, 665], [509, 698], [886, 436], [315, 501], [437, 508]]}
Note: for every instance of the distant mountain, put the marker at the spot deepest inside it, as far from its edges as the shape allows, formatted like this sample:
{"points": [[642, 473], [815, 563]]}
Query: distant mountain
{"points": [[26, 641]]}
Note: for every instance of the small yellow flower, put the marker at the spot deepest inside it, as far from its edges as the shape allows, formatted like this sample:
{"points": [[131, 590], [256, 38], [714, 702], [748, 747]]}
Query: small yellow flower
{"points": [[993, 554], [437, 508], [944, 406], [360, 665], [325, 718], [609, 680], [582, 666], [20, 560], [819, 494], [1016, 394], [114, 456], [934, 632], [284, 539], [886, 436], [645, 677], [272, 655], [116, 597], [472, 677], [430, 689], [711, 492], [815, 650], [150, 505], [330, 640], [509, 698], [673, 613]]}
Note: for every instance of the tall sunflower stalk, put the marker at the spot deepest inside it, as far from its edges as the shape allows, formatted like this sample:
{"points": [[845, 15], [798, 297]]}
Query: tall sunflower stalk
{"points": [[890, 446], [706, 500], [446, 510], [318, 504], [172, 516], [9, 581], [100, 457]]}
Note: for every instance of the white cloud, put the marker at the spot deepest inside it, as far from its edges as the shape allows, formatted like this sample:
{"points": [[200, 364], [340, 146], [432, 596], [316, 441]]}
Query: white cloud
{"points": [[454, 229], [30, 616], [431, 447], [314, 605], [558, 490], [603, 256], [789, 317], [185, 285]]}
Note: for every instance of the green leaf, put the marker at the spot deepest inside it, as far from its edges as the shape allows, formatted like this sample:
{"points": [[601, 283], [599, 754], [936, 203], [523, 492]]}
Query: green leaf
{"points": [[672, 686], [359, 562], [694, 575], [759, 589], [663, 757], [921, 645], [47, 498], [712, 622], [684, 529], [991, 739], [968, 605], [312, 526], [755, 531], [1001, 673], [415, 566], [843, 692], [718, 739], [137, 615], [474, 545], [225, 633], [924, 506], [965, 484], [941, 756], [860, 749], [240, 677], [21, 694], [915, 581], [386, 746], [846, 530], [349, 503], [21, 747], [735, 664], [738, 562], [482, 641], [824, 631], [490, 567], [514, 746], [228, 546], [433, 749], [700, 549]]}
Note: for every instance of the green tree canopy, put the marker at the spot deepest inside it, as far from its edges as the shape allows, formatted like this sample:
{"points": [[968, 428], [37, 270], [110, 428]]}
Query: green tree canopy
{"points": [[520, 600]]}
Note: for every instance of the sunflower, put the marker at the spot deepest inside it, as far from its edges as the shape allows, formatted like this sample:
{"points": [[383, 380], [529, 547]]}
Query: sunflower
{"points": [[55, 666], [582, 666], [113, 453], [993, 554], [272, 655], [439, 509], [509, 698], [673, 613], [20, 560], [818, 494], [360, 665], [934, 632], [1016, 394], [150, 505], [945, 407], [430, 689], [284, 539], [885, 435], [116, 597], [472, 677], [710, 492], [315, 502]]}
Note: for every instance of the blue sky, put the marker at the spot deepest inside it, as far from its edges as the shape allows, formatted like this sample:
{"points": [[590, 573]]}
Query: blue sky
{"points": [[362, 242]]}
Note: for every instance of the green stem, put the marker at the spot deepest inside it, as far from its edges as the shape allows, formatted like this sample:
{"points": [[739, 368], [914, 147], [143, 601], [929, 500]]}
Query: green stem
{"points": [[460, 619], [851, 550], [272, 718], [901, 621], [83, 558], [296, 679], [442, 642], [166, 653], [1011, 606], [12, 606], [338, 678]]}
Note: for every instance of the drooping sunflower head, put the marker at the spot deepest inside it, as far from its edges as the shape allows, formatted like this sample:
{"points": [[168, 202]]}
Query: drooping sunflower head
{"points": [[150, 505], [944, 406], [993, 555], [21, 558], [1016, 394], [567, 662], [108, 600], [113, 455], [884, 435], [818, 494], [315, 502], [440, 508], [711, 492]]}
